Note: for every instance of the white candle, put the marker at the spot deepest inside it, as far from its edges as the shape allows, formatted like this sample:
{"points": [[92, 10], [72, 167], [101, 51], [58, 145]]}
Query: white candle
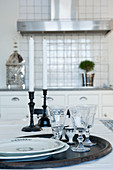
{"points": [[44, 64], [31, 64]]}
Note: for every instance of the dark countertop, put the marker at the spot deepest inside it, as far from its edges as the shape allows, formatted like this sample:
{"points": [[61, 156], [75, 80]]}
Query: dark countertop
{"points": [[61, 89]]}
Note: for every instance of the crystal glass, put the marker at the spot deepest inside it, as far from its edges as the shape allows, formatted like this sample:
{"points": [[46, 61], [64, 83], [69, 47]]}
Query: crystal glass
{"points": [[70, 132], [57, 118], [91, 116], [80, 120]]}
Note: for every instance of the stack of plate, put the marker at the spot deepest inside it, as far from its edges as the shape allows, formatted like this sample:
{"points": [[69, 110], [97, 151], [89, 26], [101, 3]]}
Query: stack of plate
{"points": [[30, 149]]}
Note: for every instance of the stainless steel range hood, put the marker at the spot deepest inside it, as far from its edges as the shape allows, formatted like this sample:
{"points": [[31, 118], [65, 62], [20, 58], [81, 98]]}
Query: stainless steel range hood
{"points": [[64, 26], [64, 18]]}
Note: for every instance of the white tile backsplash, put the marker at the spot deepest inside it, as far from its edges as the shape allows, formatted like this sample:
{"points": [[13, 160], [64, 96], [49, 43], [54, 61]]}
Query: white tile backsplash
{"points": [[65, 51]]}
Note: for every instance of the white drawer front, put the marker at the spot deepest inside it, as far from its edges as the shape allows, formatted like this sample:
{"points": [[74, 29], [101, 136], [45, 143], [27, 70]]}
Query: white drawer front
{"points": [[108, 112], [82, 99], [14, 113], [107, 100], [14, 101], [57, 100]]}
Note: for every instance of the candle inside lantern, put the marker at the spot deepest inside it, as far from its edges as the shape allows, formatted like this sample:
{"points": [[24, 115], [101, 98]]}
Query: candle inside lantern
{"points": [[31, 64], [44, 64]]}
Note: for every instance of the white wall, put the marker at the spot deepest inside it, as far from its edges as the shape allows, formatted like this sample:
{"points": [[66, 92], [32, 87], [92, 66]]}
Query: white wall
{"points": [[8, 18]]}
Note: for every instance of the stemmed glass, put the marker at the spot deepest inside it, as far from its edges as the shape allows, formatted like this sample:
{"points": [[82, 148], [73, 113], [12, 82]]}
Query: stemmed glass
{"points": [[70, 132], [80, 120], [91, 116], [57, 118]]}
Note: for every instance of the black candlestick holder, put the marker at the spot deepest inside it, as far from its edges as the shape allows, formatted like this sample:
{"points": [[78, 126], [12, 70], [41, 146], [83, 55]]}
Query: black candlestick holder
{"points": [[44, 121], [31, 127]]}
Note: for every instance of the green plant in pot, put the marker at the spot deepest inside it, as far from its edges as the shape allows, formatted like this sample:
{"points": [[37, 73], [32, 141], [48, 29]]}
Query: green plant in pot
{"points": [[87, 78]]}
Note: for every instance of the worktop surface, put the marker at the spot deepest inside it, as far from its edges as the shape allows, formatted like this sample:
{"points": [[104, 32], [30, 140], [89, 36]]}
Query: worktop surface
{"points": [[12, 128]]}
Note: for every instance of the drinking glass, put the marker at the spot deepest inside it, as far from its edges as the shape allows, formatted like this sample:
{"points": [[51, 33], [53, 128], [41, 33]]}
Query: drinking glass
{"points": [[80, 120], [91, 116], [70, 132], [57, 118]]}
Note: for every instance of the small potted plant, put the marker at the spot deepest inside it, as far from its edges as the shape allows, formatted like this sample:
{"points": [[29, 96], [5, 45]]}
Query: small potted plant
{"points": [[87, 78]]}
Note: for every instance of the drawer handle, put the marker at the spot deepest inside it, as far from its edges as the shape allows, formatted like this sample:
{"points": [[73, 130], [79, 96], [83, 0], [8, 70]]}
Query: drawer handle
{"points": [[49, 98], [15, 99], [83, 98]]}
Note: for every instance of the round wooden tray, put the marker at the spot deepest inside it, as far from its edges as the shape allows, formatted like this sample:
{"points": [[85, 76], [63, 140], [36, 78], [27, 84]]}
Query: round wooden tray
{"points": [[69, 157]]}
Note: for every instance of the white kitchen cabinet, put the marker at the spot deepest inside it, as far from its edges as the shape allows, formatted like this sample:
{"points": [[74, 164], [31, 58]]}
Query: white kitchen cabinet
{"points": [[56, 98], [14, 104], [84, 98], [107, 112], [107, 105]]}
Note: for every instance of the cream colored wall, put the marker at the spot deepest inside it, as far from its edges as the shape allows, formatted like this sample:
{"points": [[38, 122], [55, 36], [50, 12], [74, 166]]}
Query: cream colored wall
{"points": [[8, 18]]}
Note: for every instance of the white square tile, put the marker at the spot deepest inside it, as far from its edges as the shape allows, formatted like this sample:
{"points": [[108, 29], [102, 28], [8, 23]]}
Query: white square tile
{"points": [[96, 10], [97, 46], [104, 53], [22, 16], [75, 53], [22, 10], [89, 9], [97, 68], [22, 2], [89, 16], [104, 60], [45, 16], [104, 16], [82, 46], [37, 9], [96, 16], [37, 16], [89, 2], [75, 46], [104, 46], [82, 16], [30, 16], [104, 75], [104, 68], [82, 54], [45, 10], [97, 75], [30, 2], [104, 82], [82, 2], [96, 2], [30, 10], [104, 2], [82, 10], [38, 2], [104, 9], [45, 2], [97, 83]]}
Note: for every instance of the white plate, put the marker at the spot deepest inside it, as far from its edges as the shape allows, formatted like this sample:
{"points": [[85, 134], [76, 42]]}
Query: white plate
{"points": [[33, 157], [28, 146]]}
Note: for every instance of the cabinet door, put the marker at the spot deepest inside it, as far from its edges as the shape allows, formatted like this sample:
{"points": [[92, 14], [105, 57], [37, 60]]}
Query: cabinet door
{"points": [[107, 112], [56, 99], [14, 113], [82, 99], [107, 100], [14, 101]]}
